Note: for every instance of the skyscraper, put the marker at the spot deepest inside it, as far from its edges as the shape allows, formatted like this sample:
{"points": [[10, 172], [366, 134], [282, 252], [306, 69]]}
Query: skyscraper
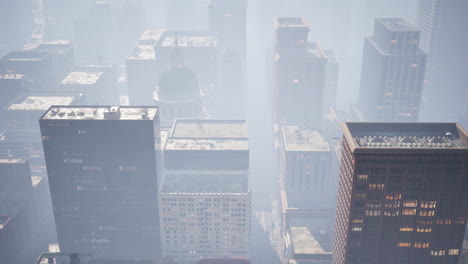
{"points": [[443, 24], [205, 197], [392, 72], [228, 18], [403, 193], [299, 74], [103, 165]]}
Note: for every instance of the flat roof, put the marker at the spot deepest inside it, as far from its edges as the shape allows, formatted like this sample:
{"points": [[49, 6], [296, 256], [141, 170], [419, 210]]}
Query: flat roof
{"points": [[39, 103], [206, 144], [209, 129], [151, 36], [290, 22], [13, 161], [143, 52], [188, 39], [303, 242], [82, 78], [229, 3], [314, 49], [297, 138], [11, 76], [57, 45], [25, 56], [330, 54], [446, 136], [100, 113], [397, 24]]}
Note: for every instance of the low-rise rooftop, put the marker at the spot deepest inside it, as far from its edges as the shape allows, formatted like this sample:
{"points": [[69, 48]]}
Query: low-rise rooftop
{"points": [[82, 78], [11, 76], [209, 129], [25, 56], [188, 39], [290, 22], [397, 24], [39, 103], [406, 135], [314, 49], [297, 138], [100, 113], [143, 52], [206, 144], [303, 243], [151, 36]]}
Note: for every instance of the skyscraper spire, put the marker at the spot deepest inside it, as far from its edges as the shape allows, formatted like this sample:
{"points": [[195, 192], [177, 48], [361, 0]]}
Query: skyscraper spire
{"points": [[177, 56]]}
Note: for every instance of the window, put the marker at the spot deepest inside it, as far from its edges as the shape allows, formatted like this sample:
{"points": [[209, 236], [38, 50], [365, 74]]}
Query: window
{"points": [[459, 220], [376, 186], [404, 244], [393, 196], [444, 221], [421, 245], [362, 177], [437, 252], [391, 212], [410, 204], [406, 229], [428, 204], [372, 212], [356, 229], [373, 205], [423, 230], [453, 251], [393, 204], [426, 213], [408, 212], [360, 195]]}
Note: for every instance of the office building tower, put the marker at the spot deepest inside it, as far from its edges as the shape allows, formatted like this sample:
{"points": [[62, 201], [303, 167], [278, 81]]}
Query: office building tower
{"points": [[16, 24], [392, 74], [232, 102], [11, 85], [205, 200], [178, 94], [403, 193], [15, 176], [228, 18], [299, 75], [331, 81], [103, 165], [141, 69], [63, 56], [442, 24]]}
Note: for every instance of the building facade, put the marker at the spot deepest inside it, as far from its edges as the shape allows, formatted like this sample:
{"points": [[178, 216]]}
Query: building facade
{"points": [[403, 193], [102, 164], [392, 74], [205, 200]]}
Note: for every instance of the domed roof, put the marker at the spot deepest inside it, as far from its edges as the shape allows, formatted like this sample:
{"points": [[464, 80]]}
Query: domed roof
{"points": [[180, 82]]}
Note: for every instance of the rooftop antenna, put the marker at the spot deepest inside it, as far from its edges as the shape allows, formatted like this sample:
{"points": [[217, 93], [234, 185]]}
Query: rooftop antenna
{"points": [[177, 56]]}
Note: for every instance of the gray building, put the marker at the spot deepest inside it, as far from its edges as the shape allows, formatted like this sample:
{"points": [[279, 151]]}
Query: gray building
{"points": [[103, 165], [392, 74]]}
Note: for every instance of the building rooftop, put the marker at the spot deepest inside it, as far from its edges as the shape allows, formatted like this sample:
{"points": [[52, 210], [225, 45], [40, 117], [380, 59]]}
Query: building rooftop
{"points": [[12, 161], [188, 39], [82, 78], [209, 129], [57, 45], [296, 138], [397, 24], [143, 52], [229, 3], [290, 22], [25, 56], [11, 76], [39, 103], [314, 49], [206, 144], [151, 36], [330, 55], [100, 113], [448, 136], [303, 243]]}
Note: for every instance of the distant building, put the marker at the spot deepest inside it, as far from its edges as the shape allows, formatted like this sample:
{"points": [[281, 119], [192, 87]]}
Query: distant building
{"points": [[141, 69], [223, 261], [63, 56], [228, 18], [178, 94], [11, 85], [16, 24], [103, 164], [26, 222], [232, 100], [331, 81], [441, 23], [205, 199], [304, 248], [299, 75], [403, 193], [392, 72], [82, 258]]}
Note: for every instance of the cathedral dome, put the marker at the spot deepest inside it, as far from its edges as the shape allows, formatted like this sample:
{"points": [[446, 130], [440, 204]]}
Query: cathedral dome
{"points": [[178, 83]]}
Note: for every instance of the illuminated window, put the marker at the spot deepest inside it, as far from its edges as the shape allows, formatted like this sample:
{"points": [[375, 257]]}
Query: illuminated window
{"points": [[358, 221], [426, 213], [425, 222], [423, 230], [373, 205], [406, 229], [362, 177], [421, 245], [408, 212], [430, 204], [393, 196], [356, 229], [444, 221], [360, 195], [410, 204], [404, 244], [437, 252], [376, 186], [393, 204], [459, 220], [372, 212], [453, 251], [391, 212], [414, 65]]}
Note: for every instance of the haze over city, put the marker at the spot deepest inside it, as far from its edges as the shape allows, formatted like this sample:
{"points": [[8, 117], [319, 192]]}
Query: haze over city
{"points": [[233, 131]]}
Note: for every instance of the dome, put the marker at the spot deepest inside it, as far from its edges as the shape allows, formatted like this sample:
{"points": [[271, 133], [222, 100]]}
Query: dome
{"points": [[179, 82]]}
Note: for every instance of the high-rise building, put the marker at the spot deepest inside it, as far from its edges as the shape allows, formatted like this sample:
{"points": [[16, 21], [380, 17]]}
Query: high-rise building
{"points": [[15, 176], [228, 18], [442, 24], [403, 193], [16, 24], [232, 102], [331, 81], [392, 74], [63, 56], [205, 200], [103, 164], [299, 75]]}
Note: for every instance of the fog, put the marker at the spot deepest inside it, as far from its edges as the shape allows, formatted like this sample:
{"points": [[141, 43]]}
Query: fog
{"points": [[211, 131]]}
